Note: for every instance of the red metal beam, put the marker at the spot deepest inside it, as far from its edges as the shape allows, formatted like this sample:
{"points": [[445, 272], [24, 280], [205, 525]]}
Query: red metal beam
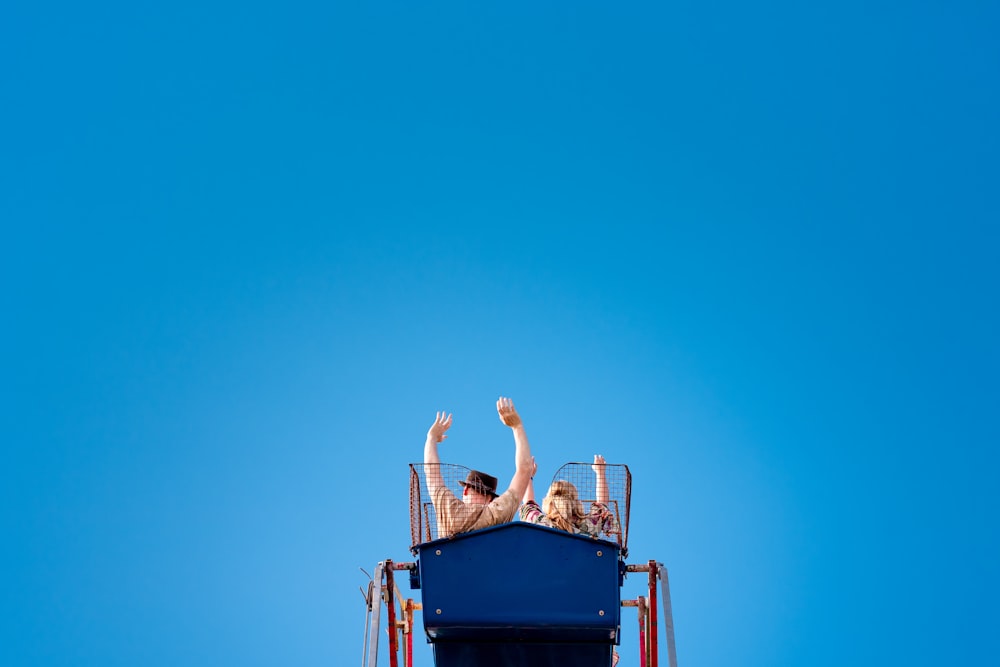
{"points": [[409, 633], [653, 634], [643, 647], [391, 605]]}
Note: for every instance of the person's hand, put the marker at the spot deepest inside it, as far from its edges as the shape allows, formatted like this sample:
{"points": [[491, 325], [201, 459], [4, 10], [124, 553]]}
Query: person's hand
{"points": [[508, 414], [598, 464], [534, 467], [441, 424]]}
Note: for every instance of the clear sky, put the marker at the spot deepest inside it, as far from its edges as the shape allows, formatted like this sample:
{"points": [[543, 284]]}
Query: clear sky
{"points": [[248, 250]]}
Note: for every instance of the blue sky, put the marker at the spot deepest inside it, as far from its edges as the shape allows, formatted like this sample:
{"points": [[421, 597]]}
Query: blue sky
{"points": [[249, 249]]}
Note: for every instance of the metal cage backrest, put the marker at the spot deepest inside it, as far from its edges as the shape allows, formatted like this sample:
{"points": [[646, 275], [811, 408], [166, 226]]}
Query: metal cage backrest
{"points": [[423, 518], [424, 521], [619, 482]]}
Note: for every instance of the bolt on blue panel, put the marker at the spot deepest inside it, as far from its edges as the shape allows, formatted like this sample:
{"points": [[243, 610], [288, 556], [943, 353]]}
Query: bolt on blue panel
{"points": [[521, 582]]}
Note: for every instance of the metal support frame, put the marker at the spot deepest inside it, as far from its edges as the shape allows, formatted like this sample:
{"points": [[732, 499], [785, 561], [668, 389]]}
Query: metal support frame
{"points": [[643, 609], [382, 589], [648, 622], [668, 615], [390, 605], [370, 655]]}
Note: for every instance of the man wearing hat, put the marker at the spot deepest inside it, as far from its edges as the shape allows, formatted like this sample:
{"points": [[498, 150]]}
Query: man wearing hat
{"points": [[480, 506]]}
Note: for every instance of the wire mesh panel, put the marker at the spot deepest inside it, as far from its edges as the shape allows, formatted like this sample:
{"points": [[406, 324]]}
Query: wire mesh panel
{"points": [[424, 520], [586, 478], [423, 517]]}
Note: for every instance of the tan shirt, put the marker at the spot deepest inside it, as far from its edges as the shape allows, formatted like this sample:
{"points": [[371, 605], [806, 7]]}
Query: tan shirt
{"points": [[454, 516]]}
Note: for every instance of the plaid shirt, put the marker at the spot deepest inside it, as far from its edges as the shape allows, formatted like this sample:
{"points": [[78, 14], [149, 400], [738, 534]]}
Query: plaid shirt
{"points": [[454, 516], [598, 520]]}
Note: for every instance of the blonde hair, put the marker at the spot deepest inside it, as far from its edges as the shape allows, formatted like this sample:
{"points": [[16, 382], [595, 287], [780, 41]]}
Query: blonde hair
{"points": [[562, 505]]}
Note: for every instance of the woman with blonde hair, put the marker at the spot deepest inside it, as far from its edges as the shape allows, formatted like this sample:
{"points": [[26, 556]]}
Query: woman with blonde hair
{"points": [[561, 508]]}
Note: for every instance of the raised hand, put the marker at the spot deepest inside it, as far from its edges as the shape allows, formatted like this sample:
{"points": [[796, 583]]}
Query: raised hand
{"points": [[508, 414], [442, 422]]}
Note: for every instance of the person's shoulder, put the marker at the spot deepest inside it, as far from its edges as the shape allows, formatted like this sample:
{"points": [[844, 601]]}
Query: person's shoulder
{"points": [[443, 494], [504, 498], [505, 505], [531, 509]]}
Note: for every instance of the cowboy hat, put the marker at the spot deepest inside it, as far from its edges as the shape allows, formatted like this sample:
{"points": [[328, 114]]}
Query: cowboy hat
{"points": [[481, 482]]}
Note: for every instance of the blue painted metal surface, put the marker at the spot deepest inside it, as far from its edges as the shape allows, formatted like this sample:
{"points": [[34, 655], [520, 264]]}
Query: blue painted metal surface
{"points": [[521, 654], [521, 594]]}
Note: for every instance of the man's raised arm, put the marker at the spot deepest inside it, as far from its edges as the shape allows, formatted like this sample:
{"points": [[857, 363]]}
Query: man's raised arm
{"points": [[432, 464], [522, 451]]}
